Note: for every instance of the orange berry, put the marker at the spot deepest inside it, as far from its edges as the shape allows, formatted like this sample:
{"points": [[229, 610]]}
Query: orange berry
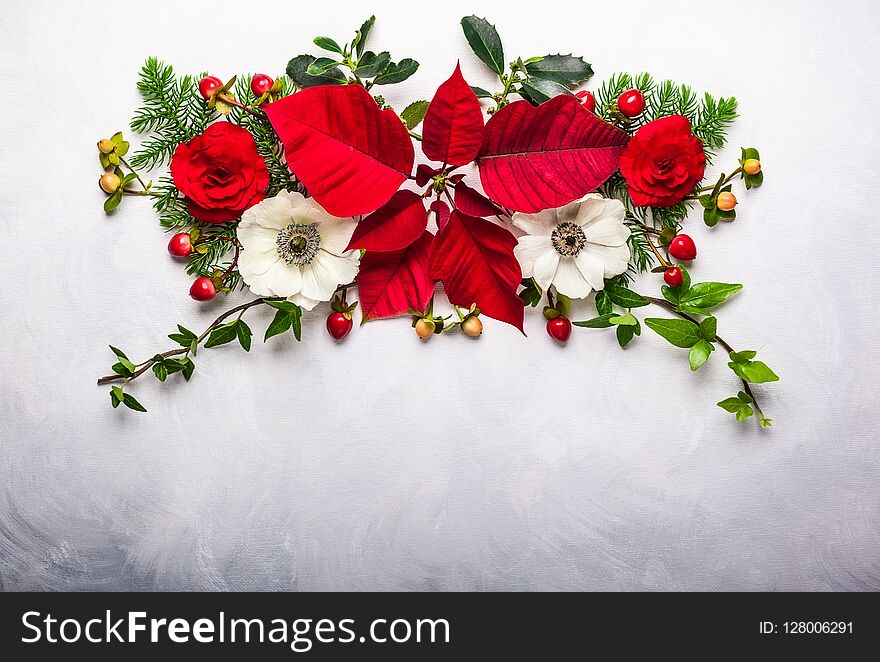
{"points": [[751, 166], [726, 201], [110, 182]]}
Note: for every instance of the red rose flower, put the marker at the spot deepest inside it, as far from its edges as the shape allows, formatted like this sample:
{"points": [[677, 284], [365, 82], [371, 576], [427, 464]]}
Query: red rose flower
{"points": [[663, 162], [220, 173]]}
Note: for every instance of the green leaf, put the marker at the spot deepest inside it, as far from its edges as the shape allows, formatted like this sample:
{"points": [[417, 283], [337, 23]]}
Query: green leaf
{"points": [[120, 369], [625, 335], [297, 69], [118, 352], [624, 297], [744, 412], [244, 333], [414, 113], [484, 41], [188, 367], [671, 294], [709, 295], [531, 293], [694, 310], [184, 338], [539, 91], [362, 34], [281, 323], [113, 201], [601, 322], [563, 69], [328, 44], [116, 396], [223, 334], [130, 402], [161, 371], [603, 303], [753, 181], [699, 353], [708, 328], [755, 372], [396, 73], [681, 333], [711, 216], [765, 422], [372, 64], [320, 66], [625, 320], [123, 361], [296, 314], [743, 357], [281, 304], [481, 93], [750, 153]]}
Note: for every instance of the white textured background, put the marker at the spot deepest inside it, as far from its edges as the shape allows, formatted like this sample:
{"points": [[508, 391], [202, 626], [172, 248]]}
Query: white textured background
{"points": [[384, 463]]}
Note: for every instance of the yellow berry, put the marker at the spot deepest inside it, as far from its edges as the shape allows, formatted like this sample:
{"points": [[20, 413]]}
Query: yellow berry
{"points": [[425, 328], [726, 201], [105, 146], [110, 182], [472, 326], [751, 166]]}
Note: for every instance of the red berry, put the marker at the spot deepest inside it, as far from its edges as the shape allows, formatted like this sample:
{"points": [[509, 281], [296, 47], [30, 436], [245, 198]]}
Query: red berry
{"points": [[203, 289], [683, 247], [631, 103], [180, 245], [208, 85], [260, 84], [559, 328], [587, 100], [673, 277], [338, 325]]}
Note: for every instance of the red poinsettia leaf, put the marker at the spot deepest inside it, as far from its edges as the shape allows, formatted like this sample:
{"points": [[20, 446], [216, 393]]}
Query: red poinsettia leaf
{"points": [[452, 130], [391, 283], [474, 203], [537, 157], [349, 154], [474, 259], [441, 209], [424, 173], [395, 225]]}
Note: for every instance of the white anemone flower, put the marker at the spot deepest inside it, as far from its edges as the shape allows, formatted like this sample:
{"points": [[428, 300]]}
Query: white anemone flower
{"points": [[575, 247], [292, 248]]}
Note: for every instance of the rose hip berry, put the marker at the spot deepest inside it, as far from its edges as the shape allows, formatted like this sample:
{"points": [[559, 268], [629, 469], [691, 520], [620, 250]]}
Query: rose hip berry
{"points": [[339, 325], [559, 329], [683, 247], [180, 245], [203, 289], [673, 277], [260, 84]]}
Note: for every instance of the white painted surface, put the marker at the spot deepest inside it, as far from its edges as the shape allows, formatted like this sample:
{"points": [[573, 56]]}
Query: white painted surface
{"points": [[383, 463]]}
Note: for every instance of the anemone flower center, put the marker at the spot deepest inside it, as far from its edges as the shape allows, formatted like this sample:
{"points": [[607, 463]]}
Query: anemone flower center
{"points": [[298, 244], [568, 239]]}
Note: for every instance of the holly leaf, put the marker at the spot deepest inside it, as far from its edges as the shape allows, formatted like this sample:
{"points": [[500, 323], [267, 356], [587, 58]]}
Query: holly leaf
{"points": [[624, 297], [392, 227], [530, 294], [453, 126], [414, 113], [320, 66], [298, 67], [563, 69], [390, 283], [474, 203], [372, 64], [350, 155], [708, 295], [538, 90], [360, 41], [474, 259], [699, 353], [681, 333], [484, 41], [397, 73], [481, 93], [534, 158]]}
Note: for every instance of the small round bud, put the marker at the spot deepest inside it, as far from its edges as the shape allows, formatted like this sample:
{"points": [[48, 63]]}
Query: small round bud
{"points": [[726, 201], [751, 166], [110, 182], [472, 326], [425, 328], [106, 146]]}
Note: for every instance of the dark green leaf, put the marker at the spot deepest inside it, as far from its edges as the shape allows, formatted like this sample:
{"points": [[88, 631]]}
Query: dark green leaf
{"points": [[328, 44], [120, 369], [118, 352], [372, 64], [281, 305], [222, 334], [708, 328], [297, 70], [363, 33], [563, 69], [601, 322], [296, 322], [113, 201], [188, 367], [481, 93], [540, 91], [624, 297], [184, 338], [699, 353], [161, 371], [756, 372], [484, 41], [681, 333], [603, 303], [414, 113], [320, 66], [531, 293], [281, 323], [130, 402], [396, 73], [711, 216], [244, 334], [671, 294], [116, 396], [625, 335], [709, 295]]}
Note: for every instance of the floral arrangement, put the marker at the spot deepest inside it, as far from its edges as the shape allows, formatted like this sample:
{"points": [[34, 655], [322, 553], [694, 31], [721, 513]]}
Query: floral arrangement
{"points": [[303, 189]]}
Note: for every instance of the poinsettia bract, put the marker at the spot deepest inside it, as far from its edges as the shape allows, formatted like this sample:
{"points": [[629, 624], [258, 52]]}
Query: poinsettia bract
{"points": [[390, 283], [453, 124]]}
